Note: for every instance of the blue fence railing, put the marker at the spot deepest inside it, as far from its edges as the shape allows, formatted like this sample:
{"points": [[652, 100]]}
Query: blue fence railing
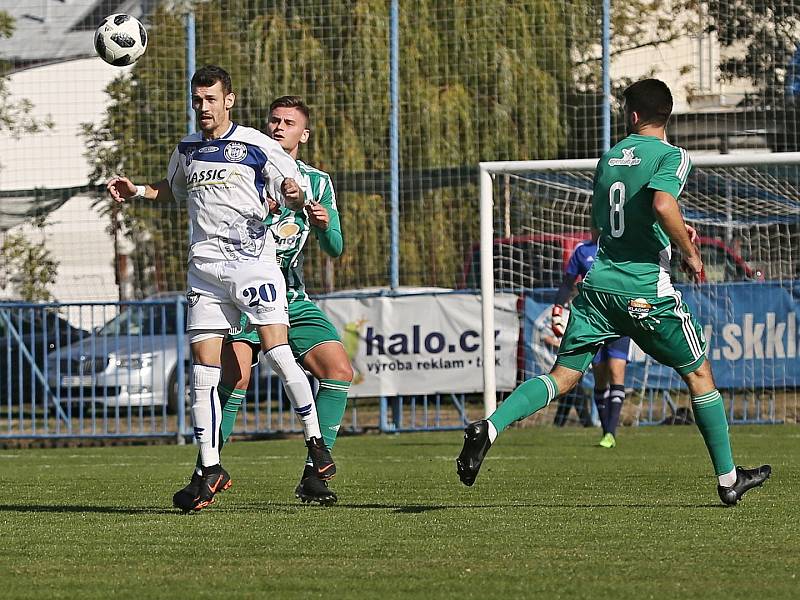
{"points": [[121, 370]]}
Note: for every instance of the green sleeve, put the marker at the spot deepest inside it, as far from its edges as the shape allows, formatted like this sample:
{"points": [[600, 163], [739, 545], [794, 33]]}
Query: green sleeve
{"points": [[330, 240], [671, 173]]}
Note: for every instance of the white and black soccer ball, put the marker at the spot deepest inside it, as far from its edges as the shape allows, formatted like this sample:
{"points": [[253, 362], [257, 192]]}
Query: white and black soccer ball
{"points": [[120, 40]]}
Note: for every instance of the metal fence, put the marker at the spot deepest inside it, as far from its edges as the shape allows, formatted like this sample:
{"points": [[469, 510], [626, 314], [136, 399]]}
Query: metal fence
{"points": [[122, 372]]}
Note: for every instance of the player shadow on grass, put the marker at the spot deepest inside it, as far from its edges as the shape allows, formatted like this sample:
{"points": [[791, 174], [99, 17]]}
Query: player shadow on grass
{"points": [[56, 508], [400, 508], [423, 508], [418, 508]]}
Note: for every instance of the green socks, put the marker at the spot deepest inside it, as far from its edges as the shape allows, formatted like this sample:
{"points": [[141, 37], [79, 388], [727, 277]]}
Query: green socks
{"points": [[709, 414], [231, 401], [331, 402], [529, 397]]}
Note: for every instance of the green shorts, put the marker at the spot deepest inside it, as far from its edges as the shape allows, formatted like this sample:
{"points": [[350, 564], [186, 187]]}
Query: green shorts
{"points": [[308, 328], [662, 327]]}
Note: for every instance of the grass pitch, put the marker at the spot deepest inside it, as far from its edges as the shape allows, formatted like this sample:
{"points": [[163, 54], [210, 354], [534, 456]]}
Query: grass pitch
{"points": [[550, 516]]}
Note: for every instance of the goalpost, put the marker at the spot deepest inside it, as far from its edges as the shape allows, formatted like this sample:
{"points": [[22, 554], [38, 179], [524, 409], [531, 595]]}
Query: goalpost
{"points": [[746, 208]]}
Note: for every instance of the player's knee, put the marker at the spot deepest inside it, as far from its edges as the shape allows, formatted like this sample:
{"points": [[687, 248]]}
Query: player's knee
{"points": [[566, 379], [236, 381], [700, 380], [340, 371]]}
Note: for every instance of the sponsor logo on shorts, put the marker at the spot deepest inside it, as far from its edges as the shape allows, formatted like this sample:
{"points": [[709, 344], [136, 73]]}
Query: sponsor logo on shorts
{"points": [[639, 308], [264, 309], [235, 152], [192, 297]]}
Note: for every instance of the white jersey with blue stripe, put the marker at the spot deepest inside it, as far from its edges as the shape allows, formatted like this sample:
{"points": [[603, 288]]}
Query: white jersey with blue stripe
{"points": [[225, 183]]}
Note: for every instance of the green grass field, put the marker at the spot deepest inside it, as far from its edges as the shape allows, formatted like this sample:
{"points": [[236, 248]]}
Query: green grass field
{"points": [[550, 516]]}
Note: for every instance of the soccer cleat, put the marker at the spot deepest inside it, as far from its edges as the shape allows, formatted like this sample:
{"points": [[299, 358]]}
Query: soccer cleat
{"points": [[185, 496], [319, 454], [476, 445], [313, 489], [213, 480], [745, 479], [607, 441]]}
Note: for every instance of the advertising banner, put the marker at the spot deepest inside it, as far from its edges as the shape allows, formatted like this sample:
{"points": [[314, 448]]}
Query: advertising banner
{"points": [[423, 343], [751, 329]]}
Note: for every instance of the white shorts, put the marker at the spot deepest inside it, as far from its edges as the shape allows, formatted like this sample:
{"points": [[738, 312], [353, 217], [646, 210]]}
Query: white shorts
{"points": [[219, 291]]}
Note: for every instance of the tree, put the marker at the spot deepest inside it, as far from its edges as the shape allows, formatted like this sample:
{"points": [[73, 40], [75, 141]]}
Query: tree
{"points": [[635, 24], [478, 80], [764, 37], [767, 33], [27, 266]]}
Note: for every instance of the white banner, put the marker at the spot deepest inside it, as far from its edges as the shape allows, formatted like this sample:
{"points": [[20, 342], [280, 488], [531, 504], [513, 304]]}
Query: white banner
{"points": [[423, 344]]}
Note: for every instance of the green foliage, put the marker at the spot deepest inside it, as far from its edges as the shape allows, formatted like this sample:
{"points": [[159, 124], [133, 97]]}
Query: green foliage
{"points": [[478, 81], [15, 113], [766, 32], [28, 268]]}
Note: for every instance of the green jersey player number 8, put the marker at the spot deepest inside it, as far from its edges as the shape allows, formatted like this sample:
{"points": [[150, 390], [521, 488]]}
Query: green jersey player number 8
{"points": [[628, 292], [616, 196]]}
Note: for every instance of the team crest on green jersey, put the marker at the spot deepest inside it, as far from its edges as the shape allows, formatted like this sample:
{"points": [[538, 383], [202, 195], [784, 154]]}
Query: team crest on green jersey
{"points": [[627, 160]]}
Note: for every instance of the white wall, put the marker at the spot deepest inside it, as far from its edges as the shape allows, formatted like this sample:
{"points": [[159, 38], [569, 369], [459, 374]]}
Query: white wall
{"points": [[69, 93]]}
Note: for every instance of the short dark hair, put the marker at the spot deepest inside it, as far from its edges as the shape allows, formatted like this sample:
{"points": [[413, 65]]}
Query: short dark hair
{"points": [[651, 99], [292, 102], [209, 75]]}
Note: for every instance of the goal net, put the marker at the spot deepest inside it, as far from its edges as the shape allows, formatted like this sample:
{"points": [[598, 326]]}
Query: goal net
{"points": [[746, 210]]}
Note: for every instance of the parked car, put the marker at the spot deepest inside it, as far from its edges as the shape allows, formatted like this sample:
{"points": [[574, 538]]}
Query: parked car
{"points": [[538, 261], [27, 334], [133, 359], [130, 361]]}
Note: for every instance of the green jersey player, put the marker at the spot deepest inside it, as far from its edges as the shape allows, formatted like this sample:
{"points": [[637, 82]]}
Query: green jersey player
{"points": [[313, 339], [628, 291]]}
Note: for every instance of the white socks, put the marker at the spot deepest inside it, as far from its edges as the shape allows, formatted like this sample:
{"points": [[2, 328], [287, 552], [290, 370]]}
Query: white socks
{"points": [[206, 412], [295, 382], [727, 479]]}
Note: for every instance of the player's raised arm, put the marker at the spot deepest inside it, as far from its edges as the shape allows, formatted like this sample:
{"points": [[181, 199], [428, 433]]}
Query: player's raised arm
{"points": [[121, 189]]}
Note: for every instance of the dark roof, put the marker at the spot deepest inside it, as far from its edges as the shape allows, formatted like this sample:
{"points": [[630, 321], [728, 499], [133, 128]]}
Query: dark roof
{"points": [[48, 31]]}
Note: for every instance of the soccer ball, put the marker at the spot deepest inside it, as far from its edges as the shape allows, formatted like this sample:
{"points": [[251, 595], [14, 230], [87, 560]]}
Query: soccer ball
{"points": [[120, 40]]}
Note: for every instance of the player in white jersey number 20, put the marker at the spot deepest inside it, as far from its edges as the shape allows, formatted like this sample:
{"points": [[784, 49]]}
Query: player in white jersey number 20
{"points": [[227, 174]]}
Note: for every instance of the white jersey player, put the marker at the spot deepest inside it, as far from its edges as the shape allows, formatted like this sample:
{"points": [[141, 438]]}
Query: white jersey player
{"points": [[227, 174]]}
